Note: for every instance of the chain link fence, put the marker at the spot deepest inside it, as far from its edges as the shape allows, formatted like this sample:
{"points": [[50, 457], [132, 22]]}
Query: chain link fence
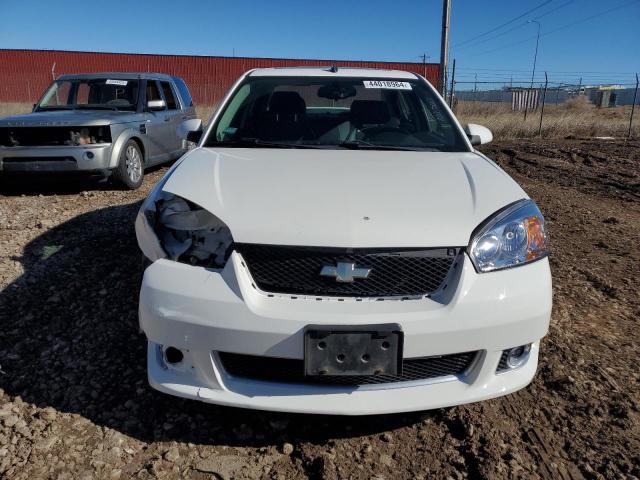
{"points": [[547, 108]]}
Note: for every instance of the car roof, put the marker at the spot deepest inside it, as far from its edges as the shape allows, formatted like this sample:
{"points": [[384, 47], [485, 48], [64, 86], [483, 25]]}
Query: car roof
{"points": [[330, 71], [117, 75]]}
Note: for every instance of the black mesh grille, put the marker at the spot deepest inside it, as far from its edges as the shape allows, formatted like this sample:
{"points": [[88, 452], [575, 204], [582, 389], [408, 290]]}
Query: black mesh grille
{"points": [[294, 270], [283, 370]]}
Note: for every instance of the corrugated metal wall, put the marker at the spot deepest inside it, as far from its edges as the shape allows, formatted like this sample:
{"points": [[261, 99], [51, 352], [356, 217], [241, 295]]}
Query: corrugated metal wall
{"points": [[24, 74]]}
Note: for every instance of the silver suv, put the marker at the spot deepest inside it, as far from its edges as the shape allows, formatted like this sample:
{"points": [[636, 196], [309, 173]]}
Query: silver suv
{"points": [[109, 124]]}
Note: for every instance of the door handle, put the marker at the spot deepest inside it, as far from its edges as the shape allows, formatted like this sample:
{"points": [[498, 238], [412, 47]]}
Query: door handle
{"points": [[167, 119]]}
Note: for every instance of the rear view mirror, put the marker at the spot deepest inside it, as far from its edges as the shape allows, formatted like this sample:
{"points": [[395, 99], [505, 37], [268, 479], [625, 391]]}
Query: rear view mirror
{"points": [[478, 135], [156, 105], [194, 136], [336, 91]]}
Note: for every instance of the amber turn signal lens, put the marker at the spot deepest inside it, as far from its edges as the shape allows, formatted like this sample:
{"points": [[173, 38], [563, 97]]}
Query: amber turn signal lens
{"points": [[537, 237]]}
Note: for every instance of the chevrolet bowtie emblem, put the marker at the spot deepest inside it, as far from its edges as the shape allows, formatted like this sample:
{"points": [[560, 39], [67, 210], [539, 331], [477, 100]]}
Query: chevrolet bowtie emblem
{"points": [[345, 272]]}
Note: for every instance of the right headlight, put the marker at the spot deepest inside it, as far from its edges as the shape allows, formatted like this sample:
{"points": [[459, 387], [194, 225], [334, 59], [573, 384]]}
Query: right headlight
{"points": [[169, 226], [191, 234], [514, 236]]}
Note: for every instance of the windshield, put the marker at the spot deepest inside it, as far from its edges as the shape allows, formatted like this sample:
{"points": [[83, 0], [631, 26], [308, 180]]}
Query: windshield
{"points": [[93, 94], [321, 112]]}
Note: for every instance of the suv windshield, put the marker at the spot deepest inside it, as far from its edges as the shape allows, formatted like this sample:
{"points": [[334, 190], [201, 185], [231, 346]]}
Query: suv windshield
{"points": [[95, 94], [321, 112]]}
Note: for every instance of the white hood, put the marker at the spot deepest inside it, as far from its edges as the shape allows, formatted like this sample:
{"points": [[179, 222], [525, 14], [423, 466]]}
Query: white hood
{"points": [[345, 198]]}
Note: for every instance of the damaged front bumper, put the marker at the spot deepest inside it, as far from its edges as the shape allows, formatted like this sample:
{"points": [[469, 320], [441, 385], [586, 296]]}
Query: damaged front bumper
{"points": [[94, 158], [203, 312]]}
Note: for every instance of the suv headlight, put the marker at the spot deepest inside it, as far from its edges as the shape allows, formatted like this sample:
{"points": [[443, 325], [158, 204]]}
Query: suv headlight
{"points": [[513, 236], [173, 227]]}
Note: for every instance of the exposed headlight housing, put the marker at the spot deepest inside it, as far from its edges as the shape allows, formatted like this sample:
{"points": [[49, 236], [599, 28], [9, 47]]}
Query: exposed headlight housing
{"points": [[191, 234], [169, 226], [514, 236]]}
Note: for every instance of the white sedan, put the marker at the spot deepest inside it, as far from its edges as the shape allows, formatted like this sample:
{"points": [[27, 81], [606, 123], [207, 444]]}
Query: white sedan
{"points": [[336, 245]]}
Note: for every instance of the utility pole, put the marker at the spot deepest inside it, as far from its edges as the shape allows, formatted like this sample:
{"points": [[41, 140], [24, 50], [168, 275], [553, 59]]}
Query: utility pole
{"points": [[475, 84], [535, 58], [444, 46]]}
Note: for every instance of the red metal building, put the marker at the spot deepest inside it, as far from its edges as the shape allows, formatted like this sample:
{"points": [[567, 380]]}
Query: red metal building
{"points": [[24, 74]]}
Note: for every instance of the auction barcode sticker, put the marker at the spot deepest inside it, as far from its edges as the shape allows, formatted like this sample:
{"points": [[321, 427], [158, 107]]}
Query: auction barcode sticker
{"points": [[393, 84], [122, 83]]}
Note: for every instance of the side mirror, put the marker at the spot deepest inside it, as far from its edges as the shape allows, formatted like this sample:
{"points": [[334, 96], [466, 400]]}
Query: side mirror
{"points": [[33, 109], [194, 136], [478, 135], [154, 105]]}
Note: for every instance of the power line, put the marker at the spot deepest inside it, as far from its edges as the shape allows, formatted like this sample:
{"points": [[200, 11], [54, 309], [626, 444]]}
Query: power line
{"points": [[520, 25], [503, 24], [599, 14], [590, 17]]}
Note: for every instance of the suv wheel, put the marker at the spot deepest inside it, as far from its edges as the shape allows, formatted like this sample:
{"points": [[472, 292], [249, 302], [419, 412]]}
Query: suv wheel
{"points": [[130, 169]]}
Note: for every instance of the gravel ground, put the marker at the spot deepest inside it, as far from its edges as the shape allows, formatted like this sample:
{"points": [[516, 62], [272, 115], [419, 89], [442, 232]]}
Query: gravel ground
{"points": [[74, 400]]}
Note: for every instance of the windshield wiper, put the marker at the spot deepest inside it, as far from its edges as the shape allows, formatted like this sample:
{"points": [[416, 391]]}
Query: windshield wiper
{"points": [[95, 107], [251, 142], [356, 144], [57, 107]]}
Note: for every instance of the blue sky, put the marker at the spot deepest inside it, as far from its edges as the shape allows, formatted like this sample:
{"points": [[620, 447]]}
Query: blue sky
{"points": [[601, 48]]}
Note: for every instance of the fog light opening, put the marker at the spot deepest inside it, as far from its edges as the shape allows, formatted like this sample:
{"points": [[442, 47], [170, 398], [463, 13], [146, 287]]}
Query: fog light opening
{"points": [[173, 355], [517, 356]]}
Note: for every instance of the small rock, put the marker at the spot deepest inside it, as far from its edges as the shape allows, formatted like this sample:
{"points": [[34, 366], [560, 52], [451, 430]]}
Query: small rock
{"points": [[115, 474], [172, 455], [386, 460], [11, 420], [387, 437], [48, 414], [287, 448]]}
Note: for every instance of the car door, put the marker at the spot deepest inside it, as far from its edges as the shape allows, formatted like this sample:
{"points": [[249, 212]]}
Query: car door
{"points": [[174, 118], [158, 126]]}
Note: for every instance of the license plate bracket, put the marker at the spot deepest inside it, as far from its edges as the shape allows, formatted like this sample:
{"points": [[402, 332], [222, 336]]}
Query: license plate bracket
{"points": [[357, 350]]}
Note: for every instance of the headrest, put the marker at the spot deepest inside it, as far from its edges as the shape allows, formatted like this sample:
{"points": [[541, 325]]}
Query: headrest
{"points": [[287, 103], [369, 112]]}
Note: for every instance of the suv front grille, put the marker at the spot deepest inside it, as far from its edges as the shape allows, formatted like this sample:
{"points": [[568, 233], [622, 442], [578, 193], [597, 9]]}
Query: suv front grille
{"points": [[296, 270], [284, 370]]}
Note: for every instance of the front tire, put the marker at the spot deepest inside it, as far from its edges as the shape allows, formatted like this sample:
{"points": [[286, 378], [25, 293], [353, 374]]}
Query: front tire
{"points": [[130, 169]]}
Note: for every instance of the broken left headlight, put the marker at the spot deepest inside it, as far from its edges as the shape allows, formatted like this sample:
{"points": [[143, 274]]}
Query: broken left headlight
{"points": [[185, 232]]}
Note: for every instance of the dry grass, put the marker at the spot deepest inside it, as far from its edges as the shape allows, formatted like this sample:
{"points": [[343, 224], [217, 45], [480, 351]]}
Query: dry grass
{"points": [[577, 117], [7, 109], [205, 111]]}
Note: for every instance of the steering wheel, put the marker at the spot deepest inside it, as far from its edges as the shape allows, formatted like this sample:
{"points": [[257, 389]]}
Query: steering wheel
{"points": [[377, 130]]}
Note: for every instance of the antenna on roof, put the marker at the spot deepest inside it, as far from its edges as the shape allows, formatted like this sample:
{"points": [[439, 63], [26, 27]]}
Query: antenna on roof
{"points": [[333, 69]]}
